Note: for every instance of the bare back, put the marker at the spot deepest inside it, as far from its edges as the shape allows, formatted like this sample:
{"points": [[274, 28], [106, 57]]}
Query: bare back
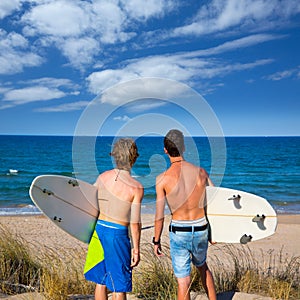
{"points": [[119, 197], [183, 186]]}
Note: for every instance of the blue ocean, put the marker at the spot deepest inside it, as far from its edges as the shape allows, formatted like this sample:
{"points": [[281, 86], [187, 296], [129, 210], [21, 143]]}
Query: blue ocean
{"points": [[266, 166]]}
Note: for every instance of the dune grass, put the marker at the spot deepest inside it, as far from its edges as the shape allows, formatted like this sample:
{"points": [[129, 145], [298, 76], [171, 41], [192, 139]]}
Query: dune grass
{"points": [[154, 278], [58, 276], [54, 275], [271, 274], [238, 269], [18, 271]]}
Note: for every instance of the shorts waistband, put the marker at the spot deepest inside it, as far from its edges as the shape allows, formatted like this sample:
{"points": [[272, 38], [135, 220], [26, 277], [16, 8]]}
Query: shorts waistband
{"points": [[188, 225], [174, 229], [113, 226], [198, 222]]}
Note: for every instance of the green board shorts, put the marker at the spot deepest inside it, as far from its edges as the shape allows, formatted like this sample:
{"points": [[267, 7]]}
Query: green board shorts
{"points": [[114, 269]]}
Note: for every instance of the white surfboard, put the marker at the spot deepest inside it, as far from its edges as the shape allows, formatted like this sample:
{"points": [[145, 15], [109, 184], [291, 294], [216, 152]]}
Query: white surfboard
{"points": [[238, 217], [234, 216], [68, 202]]}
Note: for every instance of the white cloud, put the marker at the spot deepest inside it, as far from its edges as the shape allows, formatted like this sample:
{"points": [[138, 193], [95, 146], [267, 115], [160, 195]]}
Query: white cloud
{"points": [[30, 94], [154, 8], [80, 51], [5, 106], [243, 42], [107, 19], [15, 55], [57, 18], [285, 74], [41, 89], [185, 67], [80, 29], [109, 22], [220, 15], [8, 6], [142, 106], [52, 82], [124, 118], [100, 81], [12, 40], [155, 88], [77, 28], [3, 90], [243, 66], [65, 107], [169, 66]]}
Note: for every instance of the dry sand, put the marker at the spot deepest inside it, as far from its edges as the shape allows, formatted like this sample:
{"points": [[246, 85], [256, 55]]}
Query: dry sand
{"points": [[42, 234]]}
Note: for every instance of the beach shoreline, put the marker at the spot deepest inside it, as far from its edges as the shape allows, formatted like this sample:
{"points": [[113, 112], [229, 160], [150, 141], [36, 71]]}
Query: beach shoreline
{"points": [[38, 229]]}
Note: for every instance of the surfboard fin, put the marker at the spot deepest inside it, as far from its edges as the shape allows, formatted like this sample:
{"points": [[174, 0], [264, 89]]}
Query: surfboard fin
{"points": [[74, 182], [58, 219], [45, 191], [258, 218], [235, 197], [245, 239], [236, 201]]}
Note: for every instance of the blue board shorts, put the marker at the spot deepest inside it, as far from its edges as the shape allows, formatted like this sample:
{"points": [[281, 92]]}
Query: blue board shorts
{"points": [[187, 247], [114, 271]]}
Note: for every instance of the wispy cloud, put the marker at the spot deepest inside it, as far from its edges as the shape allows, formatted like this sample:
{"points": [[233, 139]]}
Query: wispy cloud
{"points": [[220, 15], [145, 105], [124, 118], [30, 94], [291, 73], [244, 42], [52, 82], [66, 107], [188, 67], [42, 89]]}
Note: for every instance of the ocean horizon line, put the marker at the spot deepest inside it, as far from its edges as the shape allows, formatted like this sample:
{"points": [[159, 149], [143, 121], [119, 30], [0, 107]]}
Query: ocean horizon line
{"points": [[157, 136]]}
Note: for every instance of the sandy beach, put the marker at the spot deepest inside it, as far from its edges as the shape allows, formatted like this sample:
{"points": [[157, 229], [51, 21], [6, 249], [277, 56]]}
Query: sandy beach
{"points": [[42, 234]]}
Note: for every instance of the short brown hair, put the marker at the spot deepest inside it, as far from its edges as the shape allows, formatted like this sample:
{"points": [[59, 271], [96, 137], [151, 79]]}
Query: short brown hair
{"points": [[174, 143], [125, 153]]}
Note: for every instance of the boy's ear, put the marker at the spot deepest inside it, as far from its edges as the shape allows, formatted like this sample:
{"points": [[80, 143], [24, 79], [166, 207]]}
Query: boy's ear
{"points": [[166, 151]]}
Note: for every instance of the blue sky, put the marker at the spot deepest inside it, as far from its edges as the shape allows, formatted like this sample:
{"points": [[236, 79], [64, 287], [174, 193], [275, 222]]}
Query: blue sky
{"points": [[241, 56]]}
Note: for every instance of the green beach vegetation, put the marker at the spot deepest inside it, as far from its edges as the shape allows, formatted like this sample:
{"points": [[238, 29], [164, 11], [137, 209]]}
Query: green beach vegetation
{"points": [[59, 275], [56, 275], [237, 269]]}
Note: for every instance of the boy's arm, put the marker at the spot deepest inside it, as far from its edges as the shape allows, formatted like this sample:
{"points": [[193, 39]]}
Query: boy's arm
{"points": [[135, 226], [159, 215]]}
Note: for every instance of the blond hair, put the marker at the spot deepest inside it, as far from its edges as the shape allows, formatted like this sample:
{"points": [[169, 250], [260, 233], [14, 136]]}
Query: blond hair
{"points": [[125, 153]]}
